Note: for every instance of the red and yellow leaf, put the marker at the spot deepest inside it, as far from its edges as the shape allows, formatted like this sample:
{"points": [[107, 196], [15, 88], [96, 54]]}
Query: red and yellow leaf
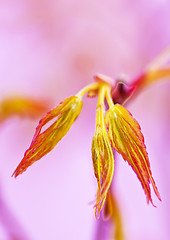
{"points": [[23, 107], [126, 137], [43, 142], [103, 163]]}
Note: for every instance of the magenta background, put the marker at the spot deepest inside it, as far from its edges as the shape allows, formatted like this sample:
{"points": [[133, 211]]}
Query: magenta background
{"points": [[51, 49]]}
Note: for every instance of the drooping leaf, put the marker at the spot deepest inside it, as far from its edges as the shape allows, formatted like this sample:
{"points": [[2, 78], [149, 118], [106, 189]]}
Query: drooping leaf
{"points": [[126, 137], [43, 142], [103, 163], [21, 106]]}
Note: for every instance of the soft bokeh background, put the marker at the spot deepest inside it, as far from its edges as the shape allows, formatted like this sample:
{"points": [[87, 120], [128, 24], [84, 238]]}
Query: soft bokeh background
{"points": [[50, 49]]}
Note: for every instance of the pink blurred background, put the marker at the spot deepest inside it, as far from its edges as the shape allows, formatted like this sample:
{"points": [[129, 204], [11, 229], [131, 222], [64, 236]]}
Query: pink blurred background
{"points": [[49, 50]]}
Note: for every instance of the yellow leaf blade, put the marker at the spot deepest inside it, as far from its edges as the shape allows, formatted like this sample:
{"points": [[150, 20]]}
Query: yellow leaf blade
{"points": [[126, 137], [103, 163], [21, 106], [42, 143]]}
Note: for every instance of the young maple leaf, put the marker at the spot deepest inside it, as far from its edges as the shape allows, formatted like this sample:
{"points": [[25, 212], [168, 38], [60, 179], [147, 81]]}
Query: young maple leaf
{"points": [[103, 163], [126, 137], [21, 106], [42, 143], [102, 154]]}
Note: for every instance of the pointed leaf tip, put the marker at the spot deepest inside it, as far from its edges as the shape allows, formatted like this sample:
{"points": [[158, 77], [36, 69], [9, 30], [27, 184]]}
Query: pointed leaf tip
{"points": [[127, 138], [103, 163], [43, 142]]}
